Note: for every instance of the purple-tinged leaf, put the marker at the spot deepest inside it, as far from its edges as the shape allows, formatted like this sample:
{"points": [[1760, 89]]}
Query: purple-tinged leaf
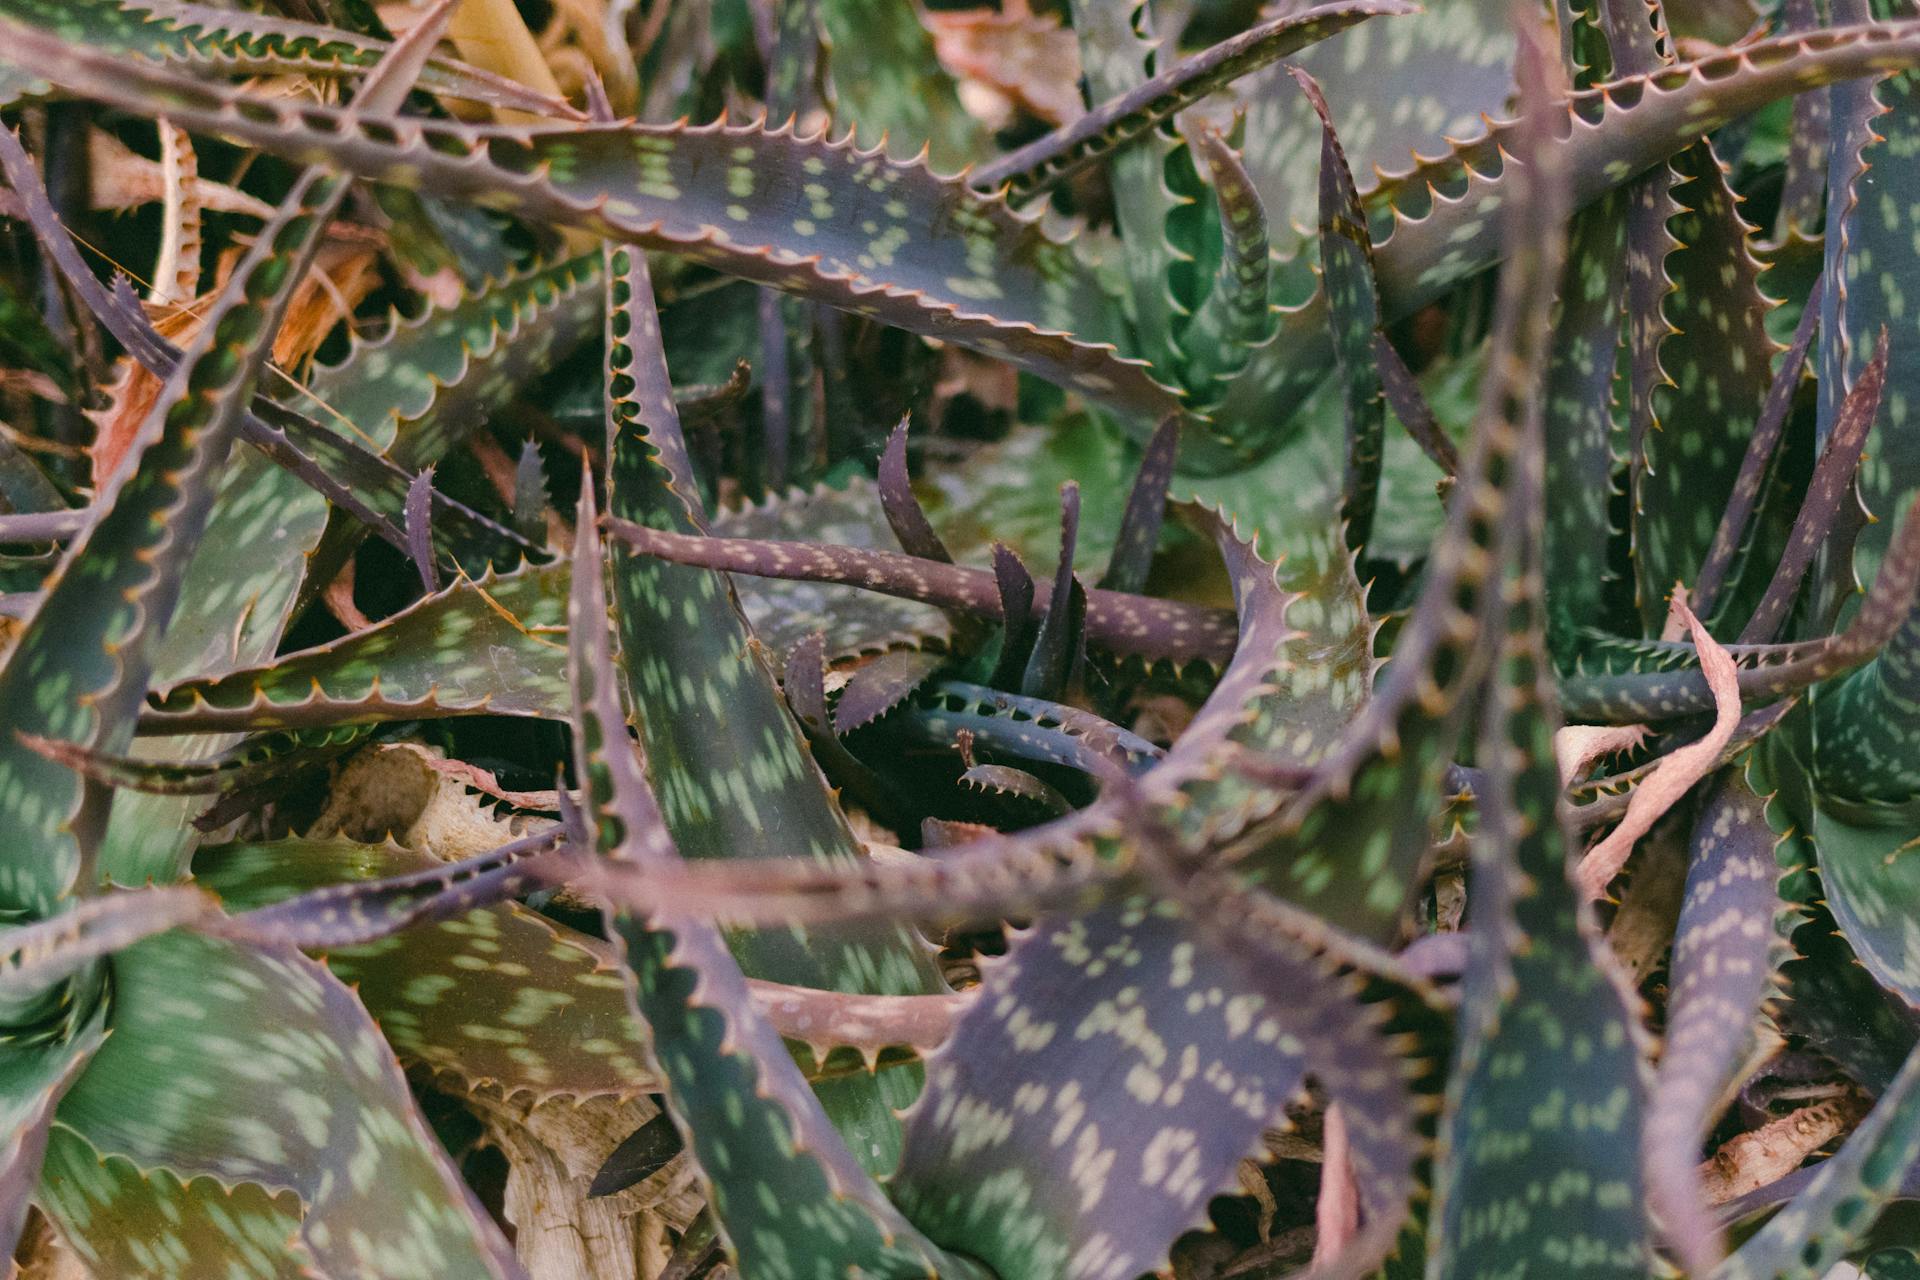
{"points": [[1004, 780], [1120, 623], [1045, 162], [856, 622], [804, 681], [877, 687], [1726, 950], [1061, 641], [1754, 468], [709, 712], [1013, 584], [252, 764], [1546, 1092], [1831, 486], [1077, 1029], [34, 956], [908, 522], [1409, 404], [419, 527], [1146, 508], [44, 526], [1353, 305]]}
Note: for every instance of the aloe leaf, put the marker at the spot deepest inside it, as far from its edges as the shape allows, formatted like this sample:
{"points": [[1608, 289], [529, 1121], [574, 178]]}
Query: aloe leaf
{"points": [[121, 1219], [1547, 1093], [290, 1089], [881, 685], [1234, 316], [1820, 510], [855, 621], [243, 43], [1715, 364], [728, 760], [1579, 423], [1843, 1197], [904, 514], [996, 282], [1024, 727], [1045, 162], [255, 762], [1726, 949], [758, 1134], [1301, 673], [33, 1078], [1139, 536], [1116, 57], [1803, 190], [1093, 1028], [1001, 780], [478, 646], [804, 682], [1059, 643], [1346, 267]]}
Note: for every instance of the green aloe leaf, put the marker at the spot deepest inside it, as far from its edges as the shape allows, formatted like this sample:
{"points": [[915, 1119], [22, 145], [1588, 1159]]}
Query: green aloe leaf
{"points": [[1715, 363], [1579, 422], [788, 1195], [728, 761], [1544, 1109], [274, 1075], [491, 645], [121, 1219], [1115, 123]]}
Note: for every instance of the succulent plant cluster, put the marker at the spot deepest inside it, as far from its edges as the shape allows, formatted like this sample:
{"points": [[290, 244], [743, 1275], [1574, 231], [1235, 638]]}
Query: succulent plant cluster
{"points": [[1371, 728]]}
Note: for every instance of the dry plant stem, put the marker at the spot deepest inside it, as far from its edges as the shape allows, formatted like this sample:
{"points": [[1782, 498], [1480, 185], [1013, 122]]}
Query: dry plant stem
{"points": [[1765, 1155], [1677, 773]]}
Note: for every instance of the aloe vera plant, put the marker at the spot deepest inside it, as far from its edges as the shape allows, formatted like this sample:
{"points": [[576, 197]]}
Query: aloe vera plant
{"points": [[1313, 670]]}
